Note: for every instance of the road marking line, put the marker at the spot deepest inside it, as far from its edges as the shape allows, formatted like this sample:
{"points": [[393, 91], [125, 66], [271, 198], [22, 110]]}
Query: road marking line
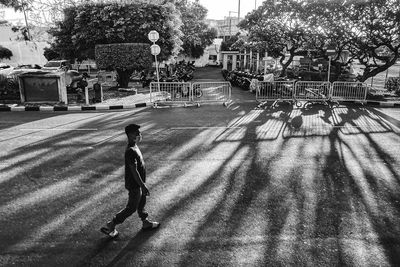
{"points": [[205, 127], [58, 129]]}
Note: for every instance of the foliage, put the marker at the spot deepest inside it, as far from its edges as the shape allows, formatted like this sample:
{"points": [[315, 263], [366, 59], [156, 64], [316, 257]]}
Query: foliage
{"points": [[89, 24], [368, 30], [50, 54], [278, 28], [5, 53], [196, 34], [23, 30], [124, 58], [11, 3], [393, 84], [226, 45]]}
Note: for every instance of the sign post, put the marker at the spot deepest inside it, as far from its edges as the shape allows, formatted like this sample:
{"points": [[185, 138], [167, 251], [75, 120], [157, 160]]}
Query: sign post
{"points": [[330, 53], [155, 50]]}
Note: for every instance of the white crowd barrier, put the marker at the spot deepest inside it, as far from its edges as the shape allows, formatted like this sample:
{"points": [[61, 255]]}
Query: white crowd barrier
{"points": [[206, 92], [184, 92], [275, 91], [314, 91], [349, 91], [311, 91], [170, 93]]}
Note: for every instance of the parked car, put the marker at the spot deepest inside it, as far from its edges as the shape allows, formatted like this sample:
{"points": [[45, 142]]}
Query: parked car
{"points": [[57, 65]]}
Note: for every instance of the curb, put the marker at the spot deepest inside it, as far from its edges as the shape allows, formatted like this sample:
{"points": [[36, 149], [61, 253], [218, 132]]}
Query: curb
{"points": [[141, 105], [72, 108], [384, 104]]}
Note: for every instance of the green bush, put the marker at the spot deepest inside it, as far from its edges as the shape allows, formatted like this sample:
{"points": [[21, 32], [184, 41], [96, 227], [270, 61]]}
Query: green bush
{"points": [[124, 58], [5, 53], [393, 85], [9, 88]]}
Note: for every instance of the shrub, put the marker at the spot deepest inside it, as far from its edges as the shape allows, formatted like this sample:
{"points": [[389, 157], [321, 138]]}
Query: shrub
{"points": [[49, 53], [124, 58], [393, 84], [5, 53]]}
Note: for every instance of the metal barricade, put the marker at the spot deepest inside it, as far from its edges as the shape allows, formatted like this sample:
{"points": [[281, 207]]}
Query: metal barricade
{"points": [[207, 92], [349, 91], [275, 91], [170, 93], [313, 91]]}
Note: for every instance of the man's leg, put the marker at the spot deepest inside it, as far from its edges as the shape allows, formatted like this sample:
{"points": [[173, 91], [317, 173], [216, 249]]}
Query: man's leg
{"points": [[120, 217], [135, 196], [141, 207], [147, 224]]}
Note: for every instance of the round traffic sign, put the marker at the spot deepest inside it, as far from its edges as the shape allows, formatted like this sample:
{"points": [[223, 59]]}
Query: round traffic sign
{"points": [[153, 36], [155, 49]]}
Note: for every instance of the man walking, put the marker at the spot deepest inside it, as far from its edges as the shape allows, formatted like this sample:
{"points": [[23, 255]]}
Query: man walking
{"points": [[135, 179]]}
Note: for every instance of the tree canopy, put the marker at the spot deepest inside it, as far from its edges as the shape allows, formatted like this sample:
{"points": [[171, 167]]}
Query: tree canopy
{"points": [[196, 34], [89, 24], [124, 58], [369, 30]]}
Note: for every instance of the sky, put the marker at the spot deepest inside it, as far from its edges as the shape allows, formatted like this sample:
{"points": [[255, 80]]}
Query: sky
{"points": [[218, 9]]}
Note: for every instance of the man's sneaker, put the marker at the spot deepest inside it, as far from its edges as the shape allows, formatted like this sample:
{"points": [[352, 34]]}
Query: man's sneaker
{"points": [[149, 225], [109, 229]]}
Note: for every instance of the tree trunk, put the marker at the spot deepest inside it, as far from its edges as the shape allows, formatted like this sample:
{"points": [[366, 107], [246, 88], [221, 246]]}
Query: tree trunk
{"points": [[287, 64], [124, 77], [371, 72]]}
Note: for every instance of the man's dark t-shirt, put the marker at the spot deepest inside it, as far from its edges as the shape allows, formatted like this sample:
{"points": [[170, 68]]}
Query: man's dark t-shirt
{"points": [[134, 157]]}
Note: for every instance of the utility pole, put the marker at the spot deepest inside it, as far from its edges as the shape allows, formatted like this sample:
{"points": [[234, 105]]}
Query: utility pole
{"points": [[239, 12], [26, 21]]}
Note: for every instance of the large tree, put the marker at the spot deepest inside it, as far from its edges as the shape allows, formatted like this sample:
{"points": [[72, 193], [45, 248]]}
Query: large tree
{"points": [[369, 30], [277, 28], [89, 24], [196, 34]]}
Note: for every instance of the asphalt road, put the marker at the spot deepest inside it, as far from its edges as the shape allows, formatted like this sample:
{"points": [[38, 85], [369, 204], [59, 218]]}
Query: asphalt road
{"points": [[235, 186]]}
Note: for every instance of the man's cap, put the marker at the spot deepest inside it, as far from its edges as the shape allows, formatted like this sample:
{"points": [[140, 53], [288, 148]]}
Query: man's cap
{"points": [[131, 128]]}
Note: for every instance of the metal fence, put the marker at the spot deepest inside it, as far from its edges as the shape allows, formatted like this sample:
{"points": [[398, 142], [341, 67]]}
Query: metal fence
{"points": [[275, 91], [170, 93], [349, 91], [314, 91], [311, 91], [207, 92]]}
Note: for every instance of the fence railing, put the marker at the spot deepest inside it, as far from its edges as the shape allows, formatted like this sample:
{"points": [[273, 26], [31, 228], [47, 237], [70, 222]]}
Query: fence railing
{"points": [[170, 92], [206, 92], [349, 91], [276, 91], [311, 91], [314, 91], [186, 93]]}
